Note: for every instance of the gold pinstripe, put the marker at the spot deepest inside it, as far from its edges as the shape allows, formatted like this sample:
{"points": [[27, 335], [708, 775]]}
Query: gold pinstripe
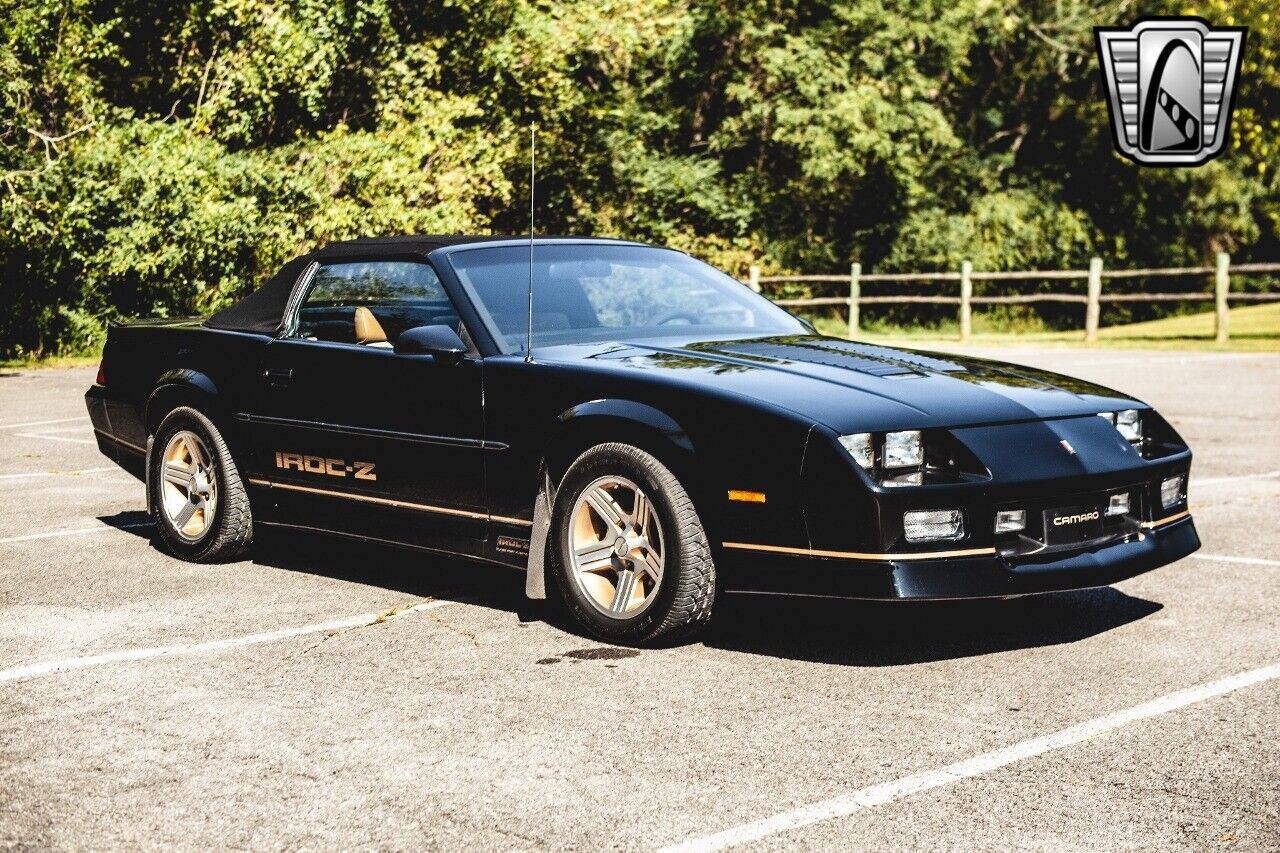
{"points": [[389, 502]]}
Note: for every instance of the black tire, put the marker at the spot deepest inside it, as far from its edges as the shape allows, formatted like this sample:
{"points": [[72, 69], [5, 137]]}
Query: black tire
{"points": [[681, 604], [229, 533]]}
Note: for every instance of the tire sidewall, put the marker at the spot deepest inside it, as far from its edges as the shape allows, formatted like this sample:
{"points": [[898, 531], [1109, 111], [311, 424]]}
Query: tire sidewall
{"points": [[192, 421], [596, 463]]}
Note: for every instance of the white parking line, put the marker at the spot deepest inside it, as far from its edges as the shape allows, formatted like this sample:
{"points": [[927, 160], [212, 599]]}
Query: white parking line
{"points": [[32, 474], [42, 423], [1248, 561], [1214, 481], [55, 438], [876, 795], [75, 531], [35, 670]]}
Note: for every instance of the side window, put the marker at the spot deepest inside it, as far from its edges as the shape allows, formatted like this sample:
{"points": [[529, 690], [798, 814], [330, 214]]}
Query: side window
{"points": [[372, 302]]}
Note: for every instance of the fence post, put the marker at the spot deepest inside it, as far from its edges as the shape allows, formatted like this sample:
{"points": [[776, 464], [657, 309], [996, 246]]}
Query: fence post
{"points": [[855, 293], [966, 296], [1221, 287], [1093, 309], [753, 280]]}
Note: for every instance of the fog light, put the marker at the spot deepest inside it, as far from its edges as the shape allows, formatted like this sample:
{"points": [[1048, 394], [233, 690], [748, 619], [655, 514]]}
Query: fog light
{"points": [[1171, 492], [933, 525], [1011, 520], [1119, 504]]}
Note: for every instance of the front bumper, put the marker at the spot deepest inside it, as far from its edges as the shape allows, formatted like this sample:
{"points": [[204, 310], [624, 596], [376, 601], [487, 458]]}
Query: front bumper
{"points": [[986, 576]]}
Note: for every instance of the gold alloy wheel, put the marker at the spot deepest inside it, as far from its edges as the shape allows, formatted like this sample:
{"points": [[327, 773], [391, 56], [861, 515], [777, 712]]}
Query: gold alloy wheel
{"points": [[189, 492], [617, 548]]}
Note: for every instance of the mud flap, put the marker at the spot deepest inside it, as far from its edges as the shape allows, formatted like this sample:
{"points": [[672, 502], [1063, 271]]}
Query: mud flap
{"points": [[535, 582], [146, 477]]}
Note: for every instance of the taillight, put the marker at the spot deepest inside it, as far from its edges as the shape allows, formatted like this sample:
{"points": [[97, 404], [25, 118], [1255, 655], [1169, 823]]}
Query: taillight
{"points": [[102, 372]]}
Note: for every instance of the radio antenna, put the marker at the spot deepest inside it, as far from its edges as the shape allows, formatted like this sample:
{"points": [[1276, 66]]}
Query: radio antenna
{"points": [[528, 349]]}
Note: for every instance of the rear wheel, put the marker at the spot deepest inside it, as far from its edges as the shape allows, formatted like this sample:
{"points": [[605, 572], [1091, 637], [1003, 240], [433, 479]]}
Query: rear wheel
{"points": [[629, 553], [197, 499]]}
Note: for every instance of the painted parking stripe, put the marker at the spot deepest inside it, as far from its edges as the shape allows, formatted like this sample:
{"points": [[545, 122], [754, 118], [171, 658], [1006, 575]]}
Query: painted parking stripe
{"points": [[33, 474], [1248, 561], [36, 670], [886, 792], [75, 531], [55, 438], [43, 423], [1214, 481]]}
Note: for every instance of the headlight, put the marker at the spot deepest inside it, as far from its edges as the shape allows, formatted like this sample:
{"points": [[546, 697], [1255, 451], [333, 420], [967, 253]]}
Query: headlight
{"points": [[1128, 422], [859, 447], [903, 449]]}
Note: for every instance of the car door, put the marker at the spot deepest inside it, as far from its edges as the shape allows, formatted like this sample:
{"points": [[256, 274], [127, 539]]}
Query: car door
{"points": [[357, 438]]}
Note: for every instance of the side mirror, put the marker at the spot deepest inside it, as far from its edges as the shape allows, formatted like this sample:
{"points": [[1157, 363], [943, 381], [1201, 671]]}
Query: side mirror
{"points": [[439, 341]]}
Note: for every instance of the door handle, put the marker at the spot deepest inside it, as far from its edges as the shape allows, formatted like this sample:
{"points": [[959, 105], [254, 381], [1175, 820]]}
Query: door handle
{"points": [[278, 377]]}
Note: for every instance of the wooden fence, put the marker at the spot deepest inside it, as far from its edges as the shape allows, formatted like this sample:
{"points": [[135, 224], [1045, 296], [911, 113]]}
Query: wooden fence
{"points": [[1092, 299]]}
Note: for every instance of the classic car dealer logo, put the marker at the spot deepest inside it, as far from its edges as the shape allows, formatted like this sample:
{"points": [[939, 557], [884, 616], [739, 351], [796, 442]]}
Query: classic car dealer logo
{"points": [[325, 465], [1170, 83]]}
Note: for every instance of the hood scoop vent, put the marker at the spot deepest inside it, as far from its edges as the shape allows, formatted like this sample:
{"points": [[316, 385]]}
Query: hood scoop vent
{"points": [[864, 358]]}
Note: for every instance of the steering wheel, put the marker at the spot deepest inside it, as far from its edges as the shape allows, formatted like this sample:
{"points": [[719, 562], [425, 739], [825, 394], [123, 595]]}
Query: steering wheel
{"points": [[667, 316]]}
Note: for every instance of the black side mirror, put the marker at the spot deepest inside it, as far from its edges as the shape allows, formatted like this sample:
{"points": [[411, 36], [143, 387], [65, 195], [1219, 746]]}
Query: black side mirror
{"points": [[439, 341]]}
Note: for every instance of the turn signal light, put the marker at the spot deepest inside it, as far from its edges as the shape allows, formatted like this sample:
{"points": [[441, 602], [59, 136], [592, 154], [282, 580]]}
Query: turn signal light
{"points": [[1171, 492]]}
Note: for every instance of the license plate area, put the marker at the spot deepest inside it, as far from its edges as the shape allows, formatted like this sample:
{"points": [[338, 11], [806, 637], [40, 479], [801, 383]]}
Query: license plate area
{"points": [[1072, 524]]}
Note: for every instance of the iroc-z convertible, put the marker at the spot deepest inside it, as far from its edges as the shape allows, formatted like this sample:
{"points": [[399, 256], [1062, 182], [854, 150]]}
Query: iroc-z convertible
{"points": [[656, 434]]}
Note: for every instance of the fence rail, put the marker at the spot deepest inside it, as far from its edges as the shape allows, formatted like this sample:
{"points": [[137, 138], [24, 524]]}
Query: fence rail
{"points": [[1092, 299]]}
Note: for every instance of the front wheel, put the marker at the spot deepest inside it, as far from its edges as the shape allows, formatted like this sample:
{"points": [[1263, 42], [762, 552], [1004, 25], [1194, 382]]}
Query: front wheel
{"points": [[629, 553], [197, 499]]}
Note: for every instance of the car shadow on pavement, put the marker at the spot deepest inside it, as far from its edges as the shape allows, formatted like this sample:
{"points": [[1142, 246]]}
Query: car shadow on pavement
{"points": [[852, 633], [892, 633]]}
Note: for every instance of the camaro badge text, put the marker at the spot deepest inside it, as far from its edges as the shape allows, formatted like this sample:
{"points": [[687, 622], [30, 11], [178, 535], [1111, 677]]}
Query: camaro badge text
{"points": [[325, 465], [1169, 84]]}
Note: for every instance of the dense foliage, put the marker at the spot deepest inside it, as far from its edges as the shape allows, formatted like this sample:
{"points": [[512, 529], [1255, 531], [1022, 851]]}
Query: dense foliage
{"points": [[159, 157]]}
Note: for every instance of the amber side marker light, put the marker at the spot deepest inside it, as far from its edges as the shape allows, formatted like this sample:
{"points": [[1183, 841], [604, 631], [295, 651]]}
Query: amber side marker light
{"points": [[746, 497]]}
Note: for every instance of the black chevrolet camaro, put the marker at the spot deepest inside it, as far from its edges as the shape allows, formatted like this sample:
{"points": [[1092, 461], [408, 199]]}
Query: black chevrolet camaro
{"points": [[653, 434]]}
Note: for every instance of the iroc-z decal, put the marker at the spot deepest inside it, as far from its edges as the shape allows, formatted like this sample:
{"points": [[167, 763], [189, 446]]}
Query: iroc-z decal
{"points": [[325, 465]]}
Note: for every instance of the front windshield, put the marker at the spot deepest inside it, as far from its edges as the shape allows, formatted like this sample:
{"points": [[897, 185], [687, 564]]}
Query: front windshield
{"points": [[599, 292]]}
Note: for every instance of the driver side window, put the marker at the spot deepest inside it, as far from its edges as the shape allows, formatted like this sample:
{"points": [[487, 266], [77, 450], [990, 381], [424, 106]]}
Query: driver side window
{"points": [[370, 303]]}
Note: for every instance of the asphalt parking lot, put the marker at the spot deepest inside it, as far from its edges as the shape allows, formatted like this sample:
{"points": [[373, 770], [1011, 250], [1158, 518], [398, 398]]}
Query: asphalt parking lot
{"points": [[326, 695]]}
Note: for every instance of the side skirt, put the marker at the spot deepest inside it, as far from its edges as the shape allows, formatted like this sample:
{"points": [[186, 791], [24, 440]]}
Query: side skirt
{"points": [[393, 543]]}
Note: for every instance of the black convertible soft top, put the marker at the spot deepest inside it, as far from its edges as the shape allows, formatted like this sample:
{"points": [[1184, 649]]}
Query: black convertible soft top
{"points": [[263, 310]]}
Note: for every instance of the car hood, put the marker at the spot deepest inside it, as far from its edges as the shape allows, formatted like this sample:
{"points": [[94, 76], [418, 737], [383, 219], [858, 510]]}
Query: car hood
{"points": [[854, 387]]}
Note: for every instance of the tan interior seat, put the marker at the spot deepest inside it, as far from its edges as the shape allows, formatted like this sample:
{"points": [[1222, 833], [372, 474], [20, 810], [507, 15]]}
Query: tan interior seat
{"points": [[368, 330]]}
